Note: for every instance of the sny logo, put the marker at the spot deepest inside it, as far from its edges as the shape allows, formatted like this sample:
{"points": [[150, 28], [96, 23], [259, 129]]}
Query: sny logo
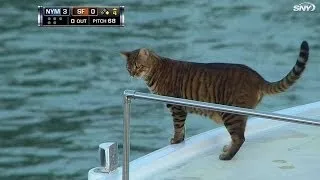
{"points": [[305, 6]]}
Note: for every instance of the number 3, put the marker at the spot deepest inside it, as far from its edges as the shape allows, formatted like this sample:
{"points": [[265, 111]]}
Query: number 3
{"points": [[65, 11]]}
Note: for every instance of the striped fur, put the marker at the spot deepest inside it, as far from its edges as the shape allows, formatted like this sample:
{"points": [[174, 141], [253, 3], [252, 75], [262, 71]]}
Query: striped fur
{"points": [[229, 84], [292, 76]]}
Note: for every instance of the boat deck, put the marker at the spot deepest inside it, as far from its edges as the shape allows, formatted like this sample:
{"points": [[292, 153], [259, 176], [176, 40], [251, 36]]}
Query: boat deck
{"points": [[282, 152], [273, 150]]}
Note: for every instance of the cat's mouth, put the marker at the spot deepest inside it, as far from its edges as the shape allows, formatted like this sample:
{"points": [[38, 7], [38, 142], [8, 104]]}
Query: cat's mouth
{"points": [[133, 74], [136, 75]]}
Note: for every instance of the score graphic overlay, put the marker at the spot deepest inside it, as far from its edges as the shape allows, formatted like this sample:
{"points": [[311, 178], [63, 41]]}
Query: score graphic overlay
{"points": [[81, 16]]}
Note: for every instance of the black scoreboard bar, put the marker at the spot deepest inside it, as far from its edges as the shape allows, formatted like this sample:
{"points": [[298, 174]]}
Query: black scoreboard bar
{"points": [[81, 16]]}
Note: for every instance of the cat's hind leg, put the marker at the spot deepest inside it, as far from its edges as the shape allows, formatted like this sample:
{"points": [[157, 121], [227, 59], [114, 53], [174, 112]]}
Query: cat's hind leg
{"points": [[236, 125], [179, 116]]}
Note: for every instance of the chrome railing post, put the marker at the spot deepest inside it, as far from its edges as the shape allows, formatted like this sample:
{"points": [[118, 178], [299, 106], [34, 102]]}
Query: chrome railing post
{"points": [[126, 135]]}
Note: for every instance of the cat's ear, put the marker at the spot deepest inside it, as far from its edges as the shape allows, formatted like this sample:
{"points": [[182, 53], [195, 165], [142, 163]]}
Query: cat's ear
{"points": [[143, 55], [144, 52], [125, 54]]}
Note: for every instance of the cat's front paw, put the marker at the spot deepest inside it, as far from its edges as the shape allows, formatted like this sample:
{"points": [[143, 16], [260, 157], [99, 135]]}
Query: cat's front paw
{"points": [[225, 148], [176, 140], [225, 156]]}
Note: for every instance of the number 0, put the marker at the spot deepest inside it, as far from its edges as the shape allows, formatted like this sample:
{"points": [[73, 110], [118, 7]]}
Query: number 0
{"points": [[93, 11]]}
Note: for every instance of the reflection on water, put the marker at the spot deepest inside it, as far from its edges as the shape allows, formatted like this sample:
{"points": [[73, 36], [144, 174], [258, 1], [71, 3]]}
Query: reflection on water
{"points": [[61, 88]]}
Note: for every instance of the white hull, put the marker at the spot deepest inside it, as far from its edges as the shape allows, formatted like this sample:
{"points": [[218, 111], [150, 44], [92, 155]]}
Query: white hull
{"points": [[273, 150]]}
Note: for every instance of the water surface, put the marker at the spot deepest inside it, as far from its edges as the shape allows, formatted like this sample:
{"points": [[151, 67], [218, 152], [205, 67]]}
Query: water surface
{"points": [[61, 88]]}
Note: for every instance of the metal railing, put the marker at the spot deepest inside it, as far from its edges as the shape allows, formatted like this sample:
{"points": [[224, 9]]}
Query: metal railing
{"points": [[131, 94]]}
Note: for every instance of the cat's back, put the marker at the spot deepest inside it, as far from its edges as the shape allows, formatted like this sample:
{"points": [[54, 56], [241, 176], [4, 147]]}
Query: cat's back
{"points": [[222, 83], [218, 68]]}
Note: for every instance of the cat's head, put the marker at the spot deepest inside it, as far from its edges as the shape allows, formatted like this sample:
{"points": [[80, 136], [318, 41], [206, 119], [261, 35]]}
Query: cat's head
{"points": [[139, 62]]}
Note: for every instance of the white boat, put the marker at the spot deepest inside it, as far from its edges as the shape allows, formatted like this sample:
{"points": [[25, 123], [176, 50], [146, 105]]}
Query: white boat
{"points": [[273, 150]]}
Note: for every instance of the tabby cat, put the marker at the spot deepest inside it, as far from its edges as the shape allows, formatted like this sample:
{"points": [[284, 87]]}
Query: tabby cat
{"points": [[222, 83]]}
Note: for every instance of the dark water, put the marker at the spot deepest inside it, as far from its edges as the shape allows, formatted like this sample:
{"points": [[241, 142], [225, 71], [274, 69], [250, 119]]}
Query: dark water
{"points": [[61, 88]]}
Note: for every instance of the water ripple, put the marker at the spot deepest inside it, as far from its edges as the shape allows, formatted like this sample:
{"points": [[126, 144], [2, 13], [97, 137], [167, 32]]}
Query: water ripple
{"points": [[61, 88]]}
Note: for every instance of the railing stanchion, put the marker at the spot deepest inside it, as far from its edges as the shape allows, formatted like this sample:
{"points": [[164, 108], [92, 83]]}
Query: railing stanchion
{"points": [[126, 138]]}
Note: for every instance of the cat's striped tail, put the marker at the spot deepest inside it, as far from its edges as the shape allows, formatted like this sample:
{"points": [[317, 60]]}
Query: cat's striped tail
{"points": [[292, 76]]}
